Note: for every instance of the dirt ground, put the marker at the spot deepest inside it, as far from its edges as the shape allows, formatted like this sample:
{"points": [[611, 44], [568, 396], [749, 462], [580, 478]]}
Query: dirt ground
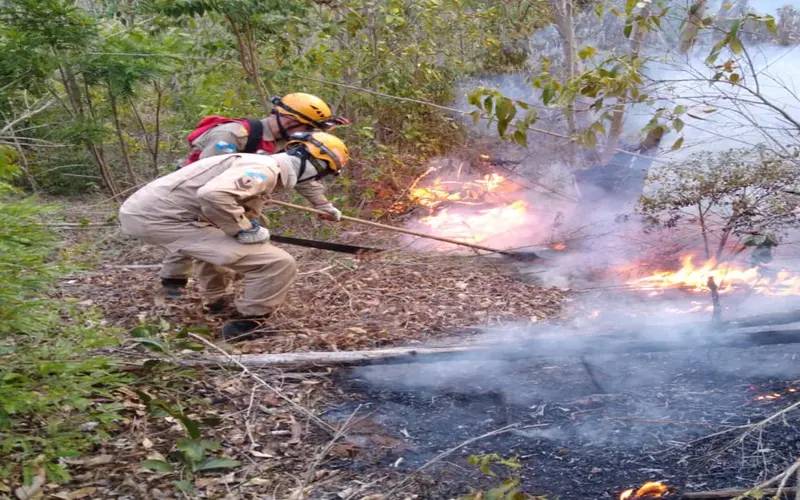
{"points": [[271, 425]]}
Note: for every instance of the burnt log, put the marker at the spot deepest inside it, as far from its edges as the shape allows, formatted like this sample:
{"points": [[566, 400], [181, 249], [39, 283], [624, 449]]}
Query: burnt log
{"points": [[542, 347]]}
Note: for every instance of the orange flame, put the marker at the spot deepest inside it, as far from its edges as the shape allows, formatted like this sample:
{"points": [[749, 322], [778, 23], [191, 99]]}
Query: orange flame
{"points": [[468, 192], [727, 276], [479, 225], [650, 489], [471, 211]]}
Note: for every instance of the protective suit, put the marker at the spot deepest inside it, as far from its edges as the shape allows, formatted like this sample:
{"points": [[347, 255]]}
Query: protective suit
{"points": [[197, 213], [176, 266]]}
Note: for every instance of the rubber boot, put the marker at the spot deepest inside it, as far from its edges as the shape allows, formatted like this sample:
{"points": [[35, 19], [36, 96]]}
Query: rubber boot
{"points": [[244, 328], [219, 306], [174, 287]]}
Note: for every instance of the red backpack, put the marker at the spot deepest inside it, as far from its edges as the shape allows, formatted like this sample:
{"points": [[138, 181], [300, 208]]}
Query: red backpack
{"points": [[255, 138]]}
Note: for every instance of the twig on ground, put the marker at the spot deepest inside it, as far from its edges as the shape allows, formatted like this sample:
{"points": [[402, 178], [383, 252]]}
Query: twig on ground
{"points": [[302, 409], [732, 493], [448, 452], [340, 433], [786, 475]]}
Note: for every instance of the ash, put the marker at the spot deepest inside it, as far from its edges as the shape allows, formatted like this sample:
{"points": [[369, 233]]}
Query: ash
{"points": [[589, 425]]}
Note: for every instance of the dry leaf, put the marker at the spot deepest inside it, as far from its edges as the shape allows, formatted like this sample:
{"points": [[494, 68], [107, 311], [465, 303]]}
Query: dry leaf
{"points": [[34, 490], [297, 431], [81, 493]]}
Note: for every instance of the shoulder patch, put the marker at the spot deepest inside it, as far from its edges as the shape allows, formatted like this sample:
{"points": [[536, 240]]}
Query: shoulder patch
{"points": [[256, 175]]}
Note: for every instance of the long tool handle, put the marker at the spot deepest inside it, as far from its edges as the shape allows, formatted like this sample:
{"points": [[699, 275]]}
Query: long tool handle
{"points": [[393, 228]]}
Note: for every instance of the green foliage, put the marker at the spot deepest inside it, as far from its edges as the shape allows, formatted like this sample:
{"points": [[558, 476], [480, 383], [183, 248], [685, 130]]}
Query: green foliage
{"points": [[508, 489], [192, 454], [55, 401], [724, 195]]}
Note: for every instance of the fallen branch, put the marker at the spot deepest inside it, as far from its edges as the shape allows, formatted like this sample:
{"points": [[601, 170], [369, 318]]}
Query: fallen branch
{"points": [[310, 358], [732, 493], [302, 409], [543, 347]]}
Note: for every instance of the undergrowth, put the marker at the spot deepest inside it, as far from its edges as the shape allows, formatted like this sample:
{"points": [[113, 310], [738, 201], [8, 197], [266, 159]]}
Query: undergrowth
{"points": [[56, 399]]}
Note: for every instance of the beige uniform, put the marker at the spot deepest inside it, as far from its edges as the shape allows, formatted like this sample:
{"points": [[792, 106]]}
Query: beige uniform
{"points": [[176, 265], [196, 213]]}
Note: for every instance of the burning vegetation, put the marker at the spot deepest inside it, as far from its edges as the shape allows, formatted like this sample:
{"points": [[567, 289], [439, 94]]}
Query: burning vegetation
{"points": [[728, 276], [650, 489], [469, 208]]}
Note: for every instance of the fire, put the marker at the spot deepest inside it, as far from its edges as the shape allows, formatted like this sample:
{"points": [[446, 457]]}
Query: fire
{"points": [[479, 225], [466, 192], [650, 489], [472, 210], [728, 277], [772, 396]]}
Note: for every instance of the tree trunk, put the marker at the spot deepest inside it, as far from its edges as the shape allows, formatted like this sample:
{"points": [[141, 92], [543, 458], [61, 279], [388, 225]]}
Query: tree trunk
{"points": [[97, 150], [618, 113], [693, 23], [157, 131], [76, 101], [564, 19], [703, 229], [248, 58], [126, 159]]}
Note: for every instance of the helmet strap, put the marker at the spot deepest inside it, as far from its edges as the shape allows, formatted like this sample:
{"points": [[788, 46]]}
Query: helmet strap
{"points": [[302, 153], [281, 128]]}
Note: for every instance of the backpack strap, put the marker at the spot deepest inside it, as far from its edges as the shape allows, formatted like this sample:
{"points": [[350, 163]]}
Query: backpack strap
{"points": [[256, 132]]}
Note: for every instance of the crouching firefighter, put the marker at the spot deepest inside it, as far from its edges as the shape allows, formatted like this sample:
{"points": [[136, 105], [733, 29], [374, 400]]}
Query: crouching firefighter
{"points": [[210, 212], [217, 135]]}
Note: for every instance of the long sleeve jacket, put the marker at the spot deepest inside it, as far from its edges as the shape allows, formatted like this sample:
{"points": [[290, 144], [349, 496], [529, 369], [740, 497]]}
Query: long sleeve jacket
{"points": [[226, 191]]}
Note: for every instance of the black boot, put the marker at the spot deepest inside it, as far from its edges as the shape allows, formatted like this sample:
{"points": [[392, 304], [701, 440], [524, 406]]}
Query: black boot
{"points": [[245, 328], [174, 287], [217, 307]]}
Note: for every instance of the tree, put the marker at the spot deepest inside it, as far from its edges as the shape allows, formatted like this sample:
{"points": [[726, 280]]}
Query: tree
{"points": [[725, 196]]}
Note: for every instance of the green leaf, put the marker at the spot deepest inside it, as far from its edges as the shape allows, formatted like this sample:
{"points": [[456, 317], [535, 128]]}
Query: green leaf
{"points": [[734, 78], [218, 463], [769, 21], [587, 52], [677, 144], [158, 466], [679, 109], [195, 449], [184, 486], [548, 92], [736, 45], [153, 345], [677, 124]]}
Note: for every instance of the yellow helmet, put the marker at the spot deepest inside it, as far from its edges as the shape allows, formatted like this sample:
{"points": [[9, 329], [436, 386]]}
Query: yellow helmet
{"points": [[308, 109], [324, 147]]}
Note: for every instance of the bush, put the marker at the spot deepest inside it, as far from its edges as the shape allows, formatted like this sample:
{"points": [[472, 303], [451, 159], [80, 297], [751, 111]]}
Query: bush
{"points": [[55, 400]]}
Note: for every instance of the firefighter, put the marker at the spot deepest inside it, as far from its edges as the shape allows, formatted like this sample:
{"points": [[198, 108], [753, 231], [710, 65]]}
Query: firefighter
{"points": [[216, 135], [210, 212]]}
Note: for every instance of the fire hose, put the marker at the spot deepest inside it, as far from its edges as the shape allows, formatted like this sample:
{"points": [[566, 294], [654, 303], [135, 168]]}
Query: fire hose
{"points": [[527, 255]]}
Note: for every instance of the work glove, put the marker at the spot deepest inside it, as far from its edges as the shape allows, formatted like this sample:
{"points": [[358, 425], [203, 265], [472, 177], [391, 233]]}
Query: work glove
{"points": [[331, 212], [256, 234]]}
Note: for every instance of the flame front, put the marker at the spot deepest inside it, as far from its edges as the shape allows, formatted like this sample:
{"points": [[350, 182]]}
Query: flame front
{"points": [[479, 225], [471, 211], [727, 276], [650, 489], [466, 192]]}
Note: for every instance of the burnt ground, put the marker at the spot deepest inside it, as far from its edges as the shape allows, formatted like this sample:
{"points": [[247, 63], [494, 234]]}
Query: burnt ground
{"points": [[637, 417]]}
